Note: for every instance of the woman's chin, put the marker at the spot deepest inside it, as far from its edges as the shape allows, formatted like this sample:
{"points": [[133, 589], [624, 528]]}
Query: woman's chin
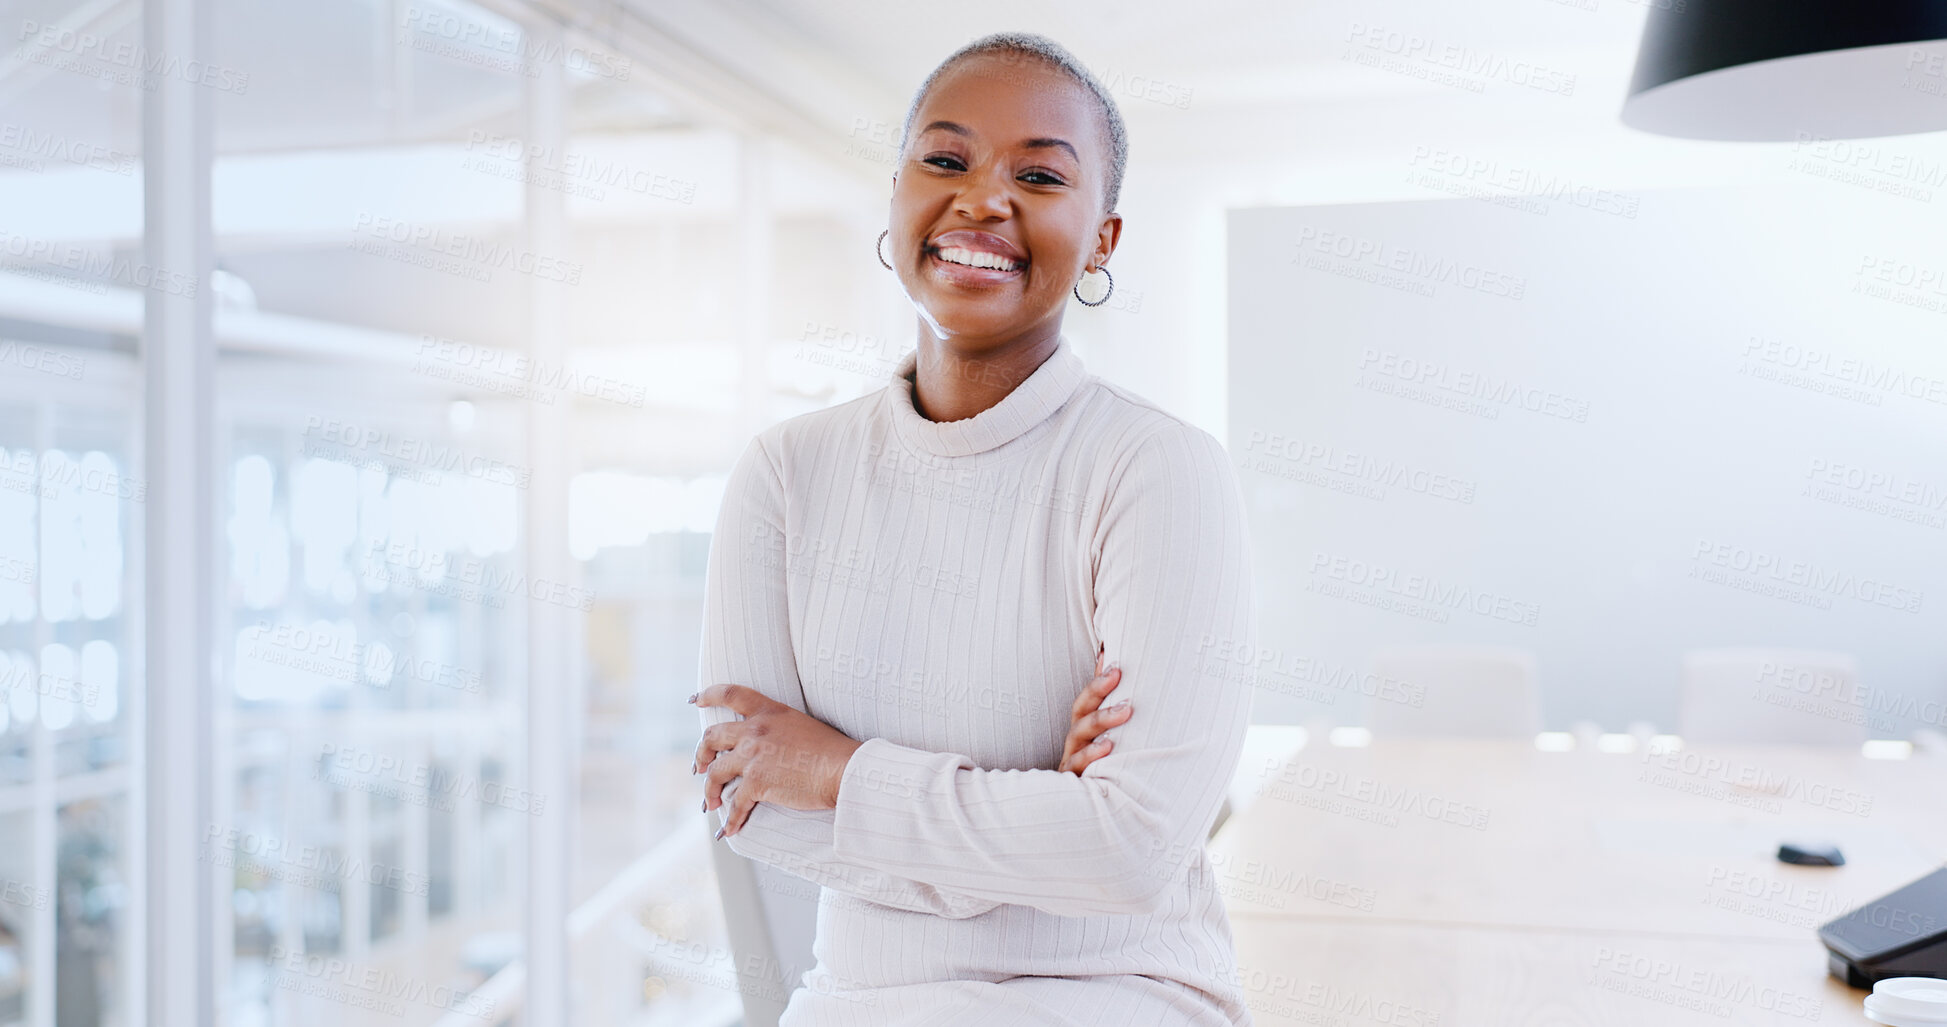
{"points": [[977, 327], [978, 316]]}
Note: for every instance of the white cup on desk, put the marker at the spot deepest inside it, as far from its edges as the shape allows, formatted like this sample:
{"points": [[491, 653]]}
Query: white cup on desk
{"points": [[1908, 1002]]}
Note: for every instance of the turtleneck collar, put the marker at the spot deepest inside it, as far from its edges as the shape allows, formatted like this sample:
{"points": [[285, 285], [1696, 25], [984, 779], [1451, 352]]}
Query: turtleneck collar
{"points": [[1030, 403]]}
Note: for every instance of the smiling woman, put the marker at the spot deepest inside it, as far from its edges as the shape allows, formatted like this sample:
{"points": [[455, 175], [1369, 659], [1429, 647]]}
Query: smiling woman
{"points": [[907, 594], [995, 213]]}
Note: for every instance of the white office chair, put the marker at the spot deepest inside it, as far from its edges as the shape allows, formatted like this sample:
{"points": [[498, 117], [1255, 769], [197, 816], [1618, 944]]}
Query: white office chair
{"points": [[1475, 691], [771, 917], [1735, 695]]}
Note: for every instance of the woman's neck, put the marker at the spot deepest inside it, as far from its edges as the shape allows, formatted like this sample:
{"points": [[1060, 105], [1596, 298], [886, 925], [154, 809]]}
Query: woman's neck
{"points": [[953, 383]]}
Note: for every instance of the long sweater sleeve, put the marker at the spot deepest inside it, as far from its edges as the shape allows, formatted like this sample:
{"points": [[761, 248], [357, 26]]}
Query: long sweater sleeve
{"points": [[1172, 590], [747, 641]]}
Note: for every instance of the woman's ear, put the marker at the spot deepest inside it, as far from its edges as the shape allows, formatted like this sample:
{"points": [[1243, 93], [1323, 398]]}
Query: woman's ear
{"points": [[1106, 238]]}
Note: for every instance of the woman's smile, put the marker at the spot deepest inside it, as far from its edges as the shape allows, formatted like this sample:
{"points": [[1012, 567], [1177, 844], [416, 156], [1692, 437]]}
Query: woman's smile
{"points": [[975, 260]]}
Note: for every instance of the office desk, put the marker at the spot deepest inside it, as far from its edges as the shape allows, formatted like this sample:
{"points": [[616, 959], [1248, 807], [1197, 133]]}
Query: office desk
{"points": [[1420, 882]]}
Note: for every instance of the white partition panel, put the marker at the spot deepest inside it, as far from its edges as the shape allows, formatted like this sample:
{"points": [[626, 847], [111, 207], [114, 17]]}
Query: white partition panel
{"points": [[1604, 427]]}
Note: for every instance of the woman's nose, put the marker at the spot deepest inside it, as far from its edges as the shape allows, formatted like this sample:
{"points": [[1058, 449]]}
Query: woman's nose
{"points": [[985, 194]]}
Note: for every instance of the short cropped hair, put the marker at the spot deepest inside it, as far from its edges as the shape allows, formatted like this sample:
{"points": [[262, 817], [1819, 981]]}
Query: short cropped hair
{"points": [[1027, 45]]}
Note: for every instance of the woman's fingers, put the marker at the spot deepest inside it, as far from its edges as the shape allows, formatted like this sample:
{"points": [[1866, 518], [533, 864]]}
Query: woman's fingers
{"points": [[742, 700], [729, 765], [740, 808], [1091, 726], [1085, 705], [716, 738], [1093, 693], [1108, 716], [1090, 719], [1088, 754]]}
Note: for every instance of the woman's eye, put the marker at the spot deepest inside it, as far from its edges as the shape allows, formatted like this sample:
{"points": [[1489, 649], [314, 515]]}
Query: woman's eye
{"points": [[952, 163]]}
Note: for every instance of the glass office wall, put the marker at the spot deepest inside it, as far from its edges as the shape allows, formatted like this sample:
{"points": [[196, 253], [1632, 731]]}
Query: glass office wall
{"points": [[373, 798], [396, 185], [72, 497], [375, 666], [71, 505]]}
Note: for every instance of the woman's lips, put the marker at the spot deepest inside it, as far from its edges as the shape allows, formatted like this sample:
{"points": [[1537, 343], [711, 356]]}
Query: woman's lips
{"points": [[971, 277]]}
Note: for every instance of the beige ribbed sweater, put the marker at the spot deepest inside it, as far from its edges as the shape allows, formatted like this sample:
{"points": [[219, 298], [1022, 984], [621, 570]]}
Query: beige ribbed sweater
{"points": [[938, 591]]}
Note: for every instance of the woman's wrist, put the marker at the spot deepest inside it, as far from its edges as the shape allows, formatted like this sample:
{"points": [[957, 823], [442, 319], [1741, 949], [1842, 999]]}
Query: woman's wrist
{"points": [[837, 775]]}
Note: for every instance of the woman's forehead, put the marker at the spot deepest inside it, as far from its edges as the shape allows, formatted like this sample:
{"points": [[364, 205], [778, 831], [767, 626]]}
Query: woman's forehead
{"points": [[1014, 99]]}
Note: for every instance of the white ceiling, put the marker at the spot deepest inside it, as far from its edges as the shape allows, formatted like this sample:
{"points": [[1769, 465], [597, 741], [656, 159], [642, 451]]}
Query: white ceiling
{"points": [[1280, 109], [1257, 73], [1280, 105]]}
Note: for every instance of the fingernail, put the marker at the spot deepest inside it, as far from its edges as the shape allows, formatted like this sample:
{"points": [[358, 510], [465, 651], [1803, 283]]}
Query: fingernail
{"points": [[706, 805], [719, 834], [692, 699]]}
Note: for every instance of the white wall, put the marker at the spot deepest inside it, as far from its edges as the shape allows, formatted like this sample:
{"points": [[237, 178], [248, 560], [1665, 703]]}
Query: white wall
{"points": [[1662, 331]]}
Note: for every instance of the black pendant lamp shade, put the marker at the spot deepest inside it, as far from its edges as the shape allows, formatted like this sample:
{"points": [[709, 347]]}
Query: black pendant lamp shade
{"points": [[1781, 70]]}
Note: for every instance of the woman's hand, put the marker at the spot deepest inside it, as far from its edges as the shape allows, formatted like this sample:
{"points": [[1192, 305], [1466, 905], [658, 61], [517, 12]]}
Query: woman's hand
{"points": [[1088, 722], [784, 756]]}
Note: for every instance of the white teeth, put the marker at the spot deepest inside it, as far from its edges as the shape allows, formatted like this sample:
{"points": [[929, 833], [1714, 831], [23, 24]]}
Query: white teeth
{"points": [[978, 258]]}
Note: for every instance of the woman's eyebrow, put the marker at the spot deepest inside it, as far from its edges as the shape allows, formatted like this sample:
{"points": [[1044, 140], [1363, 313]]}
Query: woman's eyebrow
{"points": [[1046, 143], [1037, 143]]}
